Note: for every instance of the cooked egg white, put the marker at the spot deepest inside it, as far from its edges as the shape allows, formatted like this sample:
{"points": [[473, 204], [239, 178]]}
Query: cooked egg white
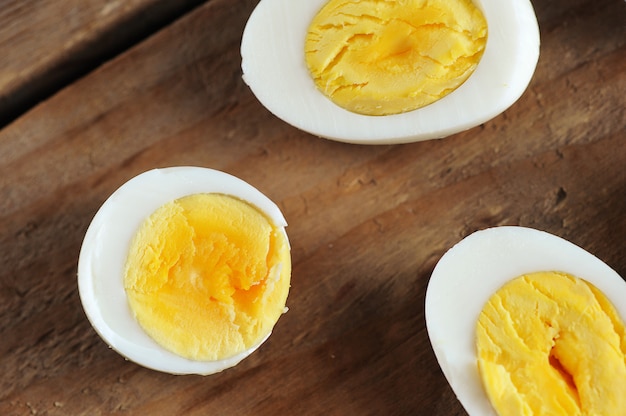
{"points": [[534, 268], [139, 260], [273, 64]]}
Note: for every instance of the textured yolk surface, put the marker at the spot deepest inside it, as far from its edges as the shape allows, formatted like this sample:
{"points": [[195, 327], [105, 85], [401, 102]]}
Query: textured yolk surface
{"points": [[552, 344], [380, 57], [207, 276]]}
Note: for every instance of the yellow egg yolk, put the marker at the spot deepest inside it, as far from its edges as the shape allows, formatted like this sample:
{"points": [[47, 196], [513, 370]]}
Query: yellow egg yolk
{"points": [[388, 57], [207, 276], [549, 343]]}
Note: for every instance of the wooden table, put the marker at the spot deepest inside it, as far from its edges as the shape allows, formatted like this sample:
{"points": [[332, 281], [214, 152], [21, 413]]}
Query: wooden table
{"points": [[94, 92]]}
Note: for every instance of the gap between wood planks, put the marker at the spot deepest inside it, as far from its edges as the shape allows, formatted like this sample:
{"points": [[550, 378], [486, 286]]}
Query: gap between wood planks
{"points": [[89, 55]]}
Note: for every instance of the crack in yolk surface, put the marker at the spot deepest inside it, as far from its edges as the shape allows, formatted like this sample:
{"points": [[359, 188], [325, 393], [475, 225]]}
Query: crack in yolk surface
{"points": [[207, 276], [389, 57], [549, 343]]}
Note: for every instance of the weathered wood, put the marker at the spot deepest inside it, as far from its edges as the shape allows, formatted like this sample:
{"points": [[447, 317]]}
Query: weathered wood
{"points": [[366, 223], [46, 44]]}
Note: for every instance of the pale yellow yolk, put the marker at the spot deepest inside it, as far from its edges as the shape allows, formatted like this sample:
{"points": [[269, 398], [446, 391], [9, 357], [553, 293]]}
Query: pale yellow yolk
{"points": [[207, 276], [378, 57], [552, 344]]}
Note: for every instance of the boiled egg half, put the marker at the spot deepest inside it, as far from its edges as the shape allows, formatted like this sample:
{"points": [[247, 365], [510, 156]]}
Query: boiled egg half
{"points": [[560, 312], [185, 270], [275, 68]]}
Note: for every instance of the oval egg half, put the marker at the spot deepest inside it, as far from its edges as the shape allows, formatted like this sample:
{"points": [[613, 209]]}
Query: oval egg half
{"points": [[105, 249], [273, 64], [473, 270]]}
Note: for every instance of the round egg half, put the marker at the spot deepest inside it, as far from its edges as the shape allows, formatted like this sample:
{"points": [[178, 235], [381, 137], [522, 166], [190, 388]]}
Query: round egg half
{"points": [[473, 270], [274, 67], [105, 249]]}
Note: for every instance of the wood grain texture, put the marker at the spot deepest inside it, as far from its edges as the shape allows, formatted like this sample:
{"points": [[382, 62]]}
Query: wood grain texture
{"points": [[367, 224], [46, 44]]}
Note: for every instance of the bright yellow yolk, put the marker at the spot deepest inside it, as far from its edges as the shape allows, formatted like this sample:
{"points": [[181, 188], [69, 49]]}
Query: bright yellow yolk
{"points": [[386, 57], [207, 276], [552, 344]]}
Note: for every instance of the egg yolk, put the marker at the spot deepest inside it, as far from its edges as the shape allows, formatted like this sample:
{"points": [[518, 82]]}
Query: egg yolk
{"points": [[388, 57], [549, 343], [207, 276]]}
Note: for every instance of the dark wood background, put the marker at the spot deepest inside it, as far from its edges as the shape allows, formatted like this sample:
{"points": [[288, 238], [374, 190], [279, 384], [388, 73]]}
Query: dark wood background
{"points": [[93, 92]]}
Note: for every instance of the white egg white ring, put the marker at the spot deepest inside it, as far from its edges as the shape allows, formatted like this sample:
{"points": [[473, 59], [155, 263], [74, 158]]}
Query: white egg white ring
{"points": [[273, 64], [474, 269], [105, 247]]}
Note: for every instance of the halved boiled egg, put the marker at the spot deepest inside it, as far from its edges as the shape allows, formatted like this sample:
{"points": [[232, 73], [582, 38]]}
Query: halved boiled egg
{"points": [[525, 322], [275, 67], [185, 270]]}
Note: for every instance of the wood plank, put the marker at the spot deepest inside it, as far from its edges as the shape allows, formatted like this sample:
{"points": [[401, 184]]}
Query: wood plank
{"points": [[47, 44], [367, 224]]}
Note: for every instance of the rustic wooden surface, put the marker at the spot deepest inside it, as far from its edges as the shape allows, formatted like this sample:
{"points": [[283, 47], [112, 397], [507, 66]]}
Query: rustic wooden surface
{"points": [[48, 43], [367, 223]]}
